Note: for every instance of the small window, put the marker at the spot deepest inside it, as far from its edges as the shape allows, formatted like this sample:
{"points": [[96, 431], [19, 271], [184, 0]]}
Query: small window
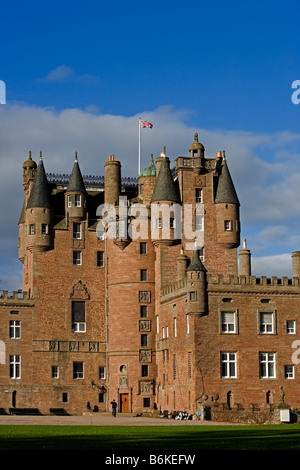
{"points": [[228, 322], [143, 311], [192, 296], [54, 372], [15, 367], [102, 372], [199, 223], [188, 324], [198, 195], [289, 372], [143, 274], [77, 231], [266, 323], [78, 370], [159, 223], [291, 327], [77, 200], [175, 327], [78, 317], [44, 229], [77, 258], [100, 259], [228, 365], [189, 365], [31, 229], [142, 189], [174, 367], [228, 225], [15, 329], [143, 248], [267, 365], [69, 201], [146, 402], [145, 370], [172, 222], [101, 397], [65, 397], [144, 340]]}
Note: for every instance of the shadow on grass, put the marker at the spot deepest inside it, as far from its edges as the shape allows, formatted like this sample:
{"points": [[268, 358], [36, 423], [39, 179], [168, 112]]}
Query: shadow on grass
{"points": [[149, 439]]}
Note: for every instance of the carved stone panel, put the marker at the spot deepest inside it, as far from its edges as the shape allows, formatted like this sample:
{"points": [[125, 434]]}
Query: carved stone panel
{"points": [[144, 296], [145, 355], [123, 381], [146, 388], [145, 325]]}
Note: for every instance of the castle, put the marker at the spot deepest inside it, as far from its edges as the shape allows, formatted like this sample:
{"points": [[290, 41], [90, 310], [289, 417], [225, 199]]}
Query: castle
{"points": [[134, 290]]}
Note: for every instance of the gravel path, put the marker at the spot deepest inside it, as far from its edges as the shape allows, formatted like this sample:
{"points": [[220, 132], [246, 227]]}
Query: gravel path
{"points": [[100, 420]]}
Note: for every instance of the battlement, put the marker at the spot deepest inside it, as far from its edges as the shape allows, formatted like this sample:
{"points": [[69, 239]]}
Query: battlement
{"points": [[173, 289], [14, 298], [253, 282]]}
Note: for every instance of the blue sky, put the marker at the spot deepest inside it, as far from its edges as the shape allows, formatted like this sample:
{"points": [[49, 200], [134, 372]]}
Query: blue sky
{"points": [[78, 75]]}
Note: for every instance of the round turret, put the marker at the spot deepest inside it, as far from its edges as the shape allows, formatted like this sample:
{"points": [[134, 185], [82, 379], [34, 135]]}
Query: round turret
{"points": [[75, 196]]}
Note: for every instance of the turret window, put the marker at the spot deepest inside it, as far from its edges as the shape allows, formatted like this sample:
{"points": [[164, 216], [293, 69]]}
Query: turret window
{"points": [[77, 200], [44, 229], [69, 201], [228, 225], [31, 229], [199, 223]]}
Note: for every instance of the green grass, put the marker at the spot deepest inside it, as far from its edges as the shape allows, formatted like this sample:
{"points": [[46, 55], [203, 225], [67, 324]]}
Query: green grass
{"points": [[152, 438]]}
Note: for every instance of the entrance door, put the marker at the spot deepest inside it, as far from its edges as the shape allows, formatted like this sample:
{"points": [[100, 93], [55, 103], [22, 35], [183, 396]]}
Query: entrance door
{"points": [[124, 403]]}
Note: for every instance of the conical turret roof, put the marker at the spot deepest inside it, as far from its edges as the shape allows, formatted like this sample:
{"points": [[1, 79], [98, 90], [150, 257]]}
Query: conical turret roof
{"points": [[196, 263], [76, 181], [225, 190], [165, 188], [40, 194], [150, 170]]}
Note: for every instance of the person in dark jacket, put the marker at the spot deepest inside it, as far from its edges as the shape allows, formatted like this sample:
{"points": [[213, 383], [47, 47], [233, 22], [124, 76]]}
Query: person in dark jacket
{"points": [[114, 407]]}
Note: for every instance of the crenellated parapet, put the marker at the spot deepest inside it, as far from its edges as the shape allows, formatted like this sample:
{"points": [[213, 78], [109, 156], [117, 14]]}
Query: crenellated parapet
{"points": [[243, 283], [15, 299]]}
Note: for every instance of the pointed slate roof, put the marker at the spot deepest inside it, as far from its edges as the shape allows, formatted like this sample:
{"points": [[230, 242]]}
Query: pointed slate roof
{"points": [[40, 194], [225, 190], [76, 181], [165, 188], [196, 263]]}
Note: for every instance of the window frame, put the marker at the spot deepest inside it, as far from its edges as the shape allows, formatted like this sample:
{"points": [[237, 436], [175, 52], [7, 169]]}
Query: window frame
{"points": [[227, 362], [264, 326], [14, 329], [15, 366], [78, 370], [225, 325], [77, 234], [77, 261], [269, 363], [291, 330]]}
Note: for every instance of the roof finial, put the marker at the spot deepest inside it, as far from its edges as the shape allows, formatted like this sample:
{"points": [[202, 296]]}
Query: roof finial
{"points": [[152, 158], [76, 156], [196, 137], [224, 155], [41, 155], [29, 154]]}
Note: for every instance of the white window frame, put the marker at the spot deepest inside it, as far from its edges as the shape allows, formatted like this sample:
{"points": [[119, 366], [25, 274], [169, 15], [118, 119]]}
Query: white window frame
{"points": [[14, 329], [77, 261], [291, 327], [266, 327], [54, 372], [187, 324], [199, 221], [79, 374], [198, 195], [77, 230], [31, 230], [77, 200], [175, 327], [228, 365], [228, 225], [102, 372], [15, 366], [228, 322], [159, 222], [69, 200], [289, 372], [267, 365]]}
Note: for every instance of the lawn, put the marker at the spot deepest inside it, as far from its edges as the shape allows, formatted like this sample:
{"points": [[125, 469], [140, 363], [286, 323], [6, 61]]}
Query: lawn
{"points": [[150, 439]]}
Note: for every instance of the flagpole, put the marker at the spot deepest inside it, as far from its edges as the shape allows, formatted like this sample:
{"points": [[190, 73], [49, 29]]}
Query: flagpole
{"points": [[139, 162]]}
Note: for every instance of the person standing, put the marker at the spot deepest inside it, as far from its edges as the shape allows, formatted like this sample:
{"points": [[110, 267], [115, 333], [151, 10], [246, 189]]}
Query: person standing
{"points": [[113, 408]]}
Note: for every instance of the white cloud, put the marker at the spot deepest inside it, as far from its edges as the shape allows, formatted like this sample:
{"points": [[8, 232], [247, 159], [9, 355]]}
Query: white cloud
{"points": [[264, 167], [64, 73]]}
